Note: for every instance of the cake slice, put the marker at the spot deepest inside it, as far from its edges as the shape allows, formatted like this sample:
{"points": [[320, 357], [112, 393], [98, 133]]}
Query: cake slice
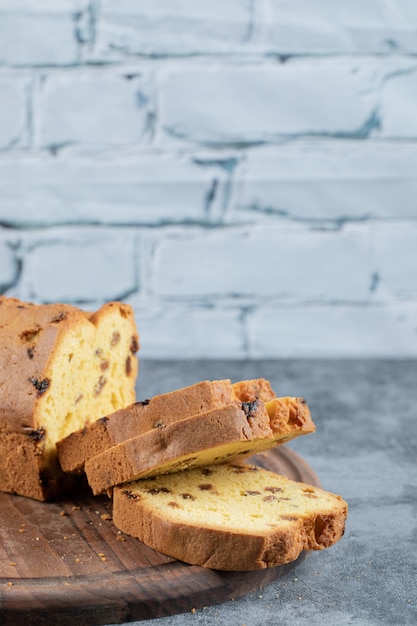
{"points": [[60, 367], [235, 431], [229, 517], [159, 411]]}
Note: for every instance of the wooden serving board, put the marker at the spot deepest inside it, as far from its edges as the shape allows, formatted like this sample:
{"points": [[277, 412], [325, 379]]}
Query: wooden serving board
{"points": [[65, 562]]}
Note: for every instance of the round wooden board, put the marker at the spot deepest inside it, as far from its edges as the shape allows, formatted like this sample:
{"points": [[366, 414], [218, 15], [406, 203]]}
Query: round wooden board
{"points": [[66, 561]]}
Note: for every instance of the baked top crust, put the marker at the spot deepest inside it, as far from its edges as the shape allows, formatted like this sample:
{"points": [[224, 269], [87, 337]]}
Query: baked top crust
{"points": [[159, 411], [235, 431]]}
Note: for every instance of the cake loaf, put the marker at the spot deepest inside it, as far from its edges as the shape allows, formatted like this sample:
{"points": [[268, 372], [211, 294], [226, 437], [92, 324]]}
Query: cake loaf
{"points": [[234, 431], [229, 517], [156, 412], [60, 367]]}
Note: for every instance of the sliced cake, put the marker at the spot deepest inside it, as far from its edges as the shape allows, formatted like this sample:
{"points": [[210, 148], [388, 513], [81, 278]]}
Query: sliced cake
{"points": [[229, 517], [235, 431], [157, 412]]}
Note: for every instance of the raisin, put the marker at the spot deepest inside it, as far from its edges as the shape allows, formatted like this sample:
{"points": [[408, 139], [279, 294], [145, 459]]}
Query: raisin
{"points": [[273, 489], [29, 335], [130, 495], [134, 345], [251, 493], [250, 408], [143, 402], [268, 498], [115, 338], [157, 490], [174, 505], [40, 385], [99, 385], [37, 434], [205, 487], [104, 365], [187, 496], [31, 352], [206, 471], [58, 318], [128, 366]]}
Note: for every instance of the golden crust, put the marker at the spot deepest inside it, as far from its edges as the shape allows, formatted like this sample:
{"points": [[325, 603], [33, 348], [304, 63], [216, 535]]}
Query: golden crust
{"points": [[235, 431], [157, 412], [244, 519], [44, 352]]}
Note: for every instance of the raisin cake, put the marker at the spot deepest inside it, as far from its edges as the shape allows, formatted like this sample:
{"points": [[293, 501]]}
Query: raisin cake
{"points": [[229, 517], [156, 412], [235, 431], [60, 367]]}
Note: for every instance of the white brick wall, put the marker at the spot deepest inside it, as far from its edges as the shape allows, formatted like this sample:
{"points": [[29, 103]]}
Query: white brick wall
{"points": [[13, 103], [244, 172]]}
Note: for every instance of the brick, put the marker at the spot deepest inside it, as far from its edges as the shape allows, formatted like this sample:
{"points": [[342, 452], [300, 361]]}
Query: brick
{"points": [[80, 266], [395, 260], [333, 332], [398, 107], [38, 33], [327, 180], [243, 105], [289, 263], [90, 109], [183, 332], [347, 27], [160, 28], [8, 267], [146, 189], [12, 112]]}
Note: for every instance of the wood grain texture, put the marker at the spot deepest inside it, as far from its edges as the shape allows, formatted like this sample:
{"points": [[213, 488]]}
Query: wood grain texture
{"points": [[66, 561]]}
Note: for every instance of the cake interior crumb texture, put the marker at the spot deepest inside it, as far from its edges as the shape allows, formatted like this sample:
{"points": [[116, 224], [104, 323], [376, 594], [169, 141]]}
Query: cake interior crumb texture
{"points": [[91, 361], [233, 516]]}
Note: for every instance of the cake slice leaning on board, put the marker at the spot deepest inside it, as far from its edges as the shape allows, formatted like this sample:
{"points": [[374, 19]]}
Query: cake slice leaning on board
{"points": [[156, 412], [229, 517], [60, 367], [235, 431]]}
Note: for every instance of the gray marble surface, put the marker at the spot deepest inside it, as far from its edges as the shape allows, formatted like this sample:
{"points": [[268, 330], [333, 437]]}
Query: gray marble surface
{"points": [[365, 449]]}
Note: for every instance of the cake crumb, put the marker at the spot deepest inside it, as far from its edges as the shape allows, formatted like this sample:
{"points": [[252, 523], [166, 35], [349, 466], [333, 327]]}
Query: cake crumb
{"points": [[62, 513], [76, 508], [9, 583], [106, 517], [193, 611], [120, 538]]}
